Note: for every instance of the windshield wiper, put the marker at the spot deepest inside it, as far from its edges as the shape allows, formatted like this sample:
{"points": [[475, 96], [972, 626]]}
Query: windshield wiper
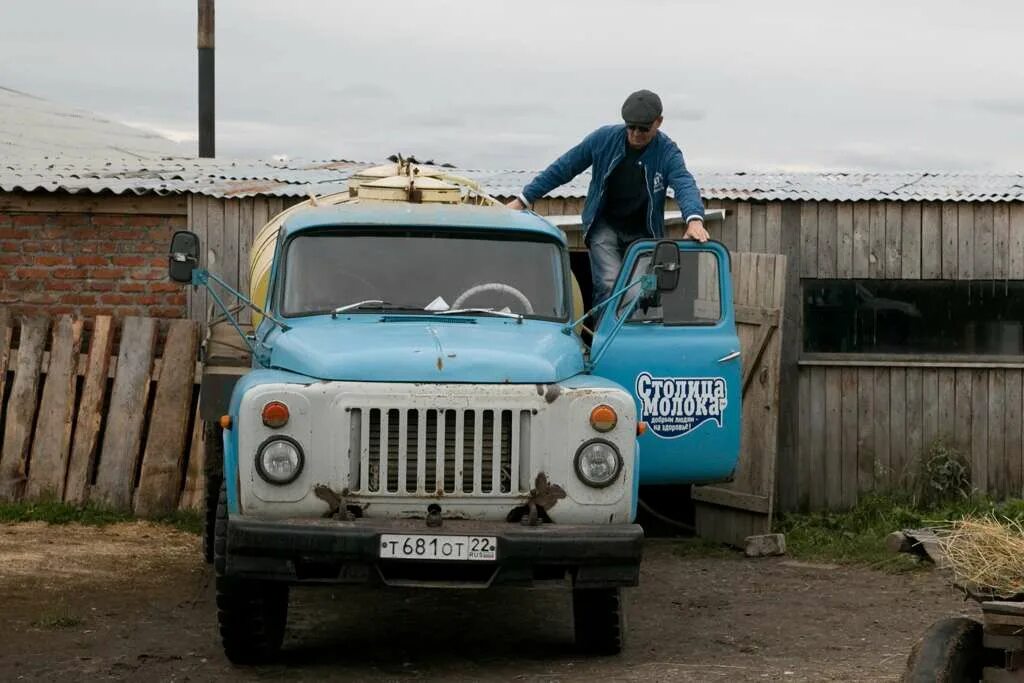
{"points": [[485, 311], [374, 304]]}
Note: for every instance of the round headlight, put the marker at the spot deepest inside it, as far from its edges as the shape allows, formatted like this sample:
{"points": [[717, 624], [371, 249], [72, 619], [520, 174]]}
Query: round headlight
{"points": [[598, 463], [279, 460]]}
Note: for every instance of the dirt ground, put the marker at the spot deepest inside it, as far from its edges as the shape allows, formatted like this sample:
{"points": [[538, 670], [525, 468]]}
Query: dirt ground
{"points": [[135, 601]]}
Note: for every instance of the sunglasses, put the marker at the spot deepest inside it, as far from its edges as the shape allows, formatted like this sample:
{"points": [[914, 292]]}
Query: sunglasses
{"points": [[641, 129]]}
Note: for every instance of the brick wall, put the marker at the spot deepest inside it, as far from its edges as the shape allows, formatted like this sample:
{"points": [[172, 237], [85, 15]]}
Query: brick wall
{"points": [[88, 264]]}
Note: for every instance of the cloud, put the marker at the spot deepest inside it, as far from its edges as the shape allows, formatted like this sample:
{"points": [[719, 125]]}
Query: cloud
{"points": [[687, 114], [433, 120], [893, 158], [1009, 107], [364, 91], [514, 110], [490, 89]]}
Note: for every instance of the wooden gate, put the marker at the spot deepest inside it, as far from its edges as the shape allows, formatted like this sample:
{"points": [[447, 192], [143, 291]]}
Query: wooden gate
{"points": [[82, 422], [730, 512]]}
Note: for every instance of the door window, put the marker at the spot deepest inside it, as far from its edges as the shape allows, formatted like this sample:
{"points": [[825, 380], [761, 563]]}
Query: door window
{"points": [[696, 301]]}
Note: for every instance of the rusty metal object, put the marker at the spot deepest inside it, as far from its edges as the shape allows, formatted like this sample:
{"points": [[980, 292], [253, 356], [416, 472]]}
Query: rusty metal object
{"points": [[544, 496], [336, 507]]}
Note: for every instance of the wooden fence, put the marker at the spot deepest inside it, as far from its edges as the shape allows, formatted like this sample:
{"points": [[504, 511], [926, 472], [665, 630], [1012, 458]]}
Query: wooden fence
{"points": [[868, 425], [83, 423]]}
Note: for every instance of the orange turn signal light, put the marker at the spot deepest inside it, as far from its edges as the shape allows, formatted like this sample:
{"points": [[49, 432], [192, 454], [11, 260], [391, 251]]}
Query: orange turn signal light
{"points": [[275, 415], [225, 421], [603, 418]]}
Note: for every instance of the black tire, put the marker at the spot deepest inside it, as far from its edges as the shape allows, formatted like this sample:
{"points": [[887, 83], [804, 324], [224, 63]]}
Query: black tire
{"points": [[599, 620], [220, 531], [214, 471], [252, 617], [252, 614], [950, 651]]}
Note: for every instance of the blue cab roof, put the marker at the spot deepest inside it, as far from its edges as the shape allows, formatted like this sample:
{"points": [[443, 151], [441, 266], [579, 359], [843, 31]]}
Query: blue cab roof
{"points": [[408, 215]]}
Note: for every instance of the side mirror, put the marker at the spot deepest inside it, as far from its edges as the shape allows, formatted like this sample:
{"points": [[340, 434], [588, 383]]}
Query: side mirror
{"points": [[184, 256], [665, 265]]}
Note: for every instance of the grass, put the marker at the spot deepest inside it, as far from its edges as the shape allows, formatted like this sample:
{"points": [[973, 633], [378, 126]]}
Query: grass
{"points": [[90, 515], [52, 622], [858, 535]]}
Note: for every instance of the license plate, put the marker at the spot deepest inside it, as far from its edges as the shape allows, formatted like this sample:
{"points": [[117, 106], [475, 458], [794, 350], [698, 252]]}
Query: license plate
{"points": [[431, 547]]}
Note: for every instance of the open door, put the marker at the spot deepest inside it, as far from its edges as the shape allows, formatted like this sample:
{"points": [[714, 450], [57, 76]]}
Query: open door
{"points": [[680, 357]]}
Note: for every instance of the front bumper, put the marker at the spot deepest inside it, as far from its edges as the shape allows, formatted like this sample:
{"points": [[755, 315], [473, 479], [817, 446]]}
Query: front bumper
{"points": [[330, 551]]}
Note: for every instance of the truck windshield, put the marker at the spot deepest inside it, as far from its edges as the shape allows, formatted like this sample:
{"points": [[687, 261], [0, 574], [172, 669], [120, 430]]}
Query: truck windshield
{"points": [[422, 270]]}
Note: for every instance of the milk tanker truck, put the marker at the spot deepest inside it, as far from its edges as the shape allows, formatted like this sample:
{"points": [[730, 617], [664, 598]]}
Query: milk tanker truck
{"points": [[414, 403]]}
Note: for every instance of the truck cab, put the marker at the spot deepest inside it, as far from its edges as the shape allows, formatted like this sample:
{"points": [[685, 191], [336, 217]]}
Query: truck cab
{"points": [[418, 408]]}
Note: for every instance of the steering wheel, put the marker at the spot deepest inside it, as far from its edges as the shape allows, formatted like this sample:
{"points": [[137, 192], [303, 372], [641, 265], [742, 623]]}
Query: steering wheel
{"points": [[494, 287]]}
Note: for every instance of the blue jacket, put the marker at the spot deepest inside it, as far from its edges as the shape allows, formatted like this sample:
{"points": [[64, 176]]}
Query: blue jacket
{"points": [[603, 149]]}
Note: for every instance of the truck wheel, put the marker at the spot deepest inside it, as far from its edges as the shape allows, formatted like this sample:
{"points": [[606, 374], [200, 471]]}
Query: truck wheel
{"points": [[214, 444], [220, 531], [252, 617], [599, 620], [252, 614], [949, 651]]}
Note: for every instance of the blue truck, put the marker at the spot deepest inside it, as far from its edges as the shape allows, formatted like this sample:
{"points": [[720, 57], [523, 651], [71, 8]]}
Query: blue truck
{"points": [[416, 404]]}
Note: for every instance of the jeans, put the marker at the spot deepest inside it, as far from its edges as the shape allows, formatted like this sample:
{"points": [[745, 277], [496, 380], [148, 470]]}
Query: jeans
{"points": [[607, 245]]}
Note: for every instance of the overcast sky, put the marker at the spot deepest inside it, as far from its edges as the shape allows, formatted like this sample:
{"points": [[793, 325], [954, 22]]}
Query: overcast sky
{"points": [[862, 85]]}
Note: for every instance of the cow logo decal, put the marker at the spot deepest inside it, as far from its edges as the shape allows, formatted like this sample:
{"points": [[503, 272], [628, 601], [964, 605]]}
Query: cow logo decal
{"points": [[675, 406]]}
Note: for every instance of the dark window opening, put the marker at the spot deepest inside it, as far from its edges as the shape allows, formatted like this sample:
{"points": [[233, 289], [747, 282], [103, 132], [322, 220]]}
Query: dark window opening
{"points": [[914, 317]]}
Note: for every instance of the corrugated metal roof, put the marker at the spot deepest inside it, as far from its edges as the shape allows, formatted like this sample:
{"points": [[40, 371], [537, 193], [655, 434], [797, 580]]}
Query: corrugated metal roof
{"points": [[808, 186], [294, 178], [213, 177], [862, 186], [31, 127]]}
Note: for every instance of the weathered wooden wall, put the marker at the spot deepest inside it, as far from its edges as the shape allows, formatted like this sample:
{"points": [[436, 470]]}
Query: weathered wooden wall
{"points": [[871, 423], [555, 206], [865, 422], [912, 240], [226, 228]]}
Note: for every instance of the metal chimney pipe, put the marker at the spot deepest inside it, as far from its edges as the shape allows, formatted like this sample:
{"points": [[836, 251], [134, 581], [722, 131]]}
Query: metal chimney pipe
{"points": [[206, 89]]}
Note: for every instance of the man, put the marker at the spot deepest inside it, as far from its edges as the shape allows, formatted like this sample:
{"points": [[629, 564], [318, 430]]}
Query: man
{"points": [[632, 164]]}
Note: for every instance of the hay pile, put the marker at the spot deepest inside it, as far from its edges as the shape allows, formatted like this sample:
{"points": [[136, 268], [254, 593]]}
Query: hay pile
{"points": [[986, 555]]}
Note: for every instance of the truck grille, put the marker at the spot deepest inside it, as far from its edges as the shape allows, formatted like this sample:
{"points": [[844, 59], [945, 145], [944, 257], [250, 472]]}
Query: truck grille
{"points": [[455, 451]]}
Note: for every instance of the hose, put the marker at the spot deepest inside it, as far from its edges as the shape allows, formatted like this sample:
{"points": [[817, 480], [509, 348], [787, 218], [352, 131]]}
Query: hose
{"points": [[666, 520]]}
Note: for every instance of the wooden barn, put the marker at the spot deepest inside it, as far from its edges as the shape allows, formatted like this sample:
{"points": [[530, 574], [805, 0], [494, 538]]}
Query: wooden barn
{"points": [[902, 328]]}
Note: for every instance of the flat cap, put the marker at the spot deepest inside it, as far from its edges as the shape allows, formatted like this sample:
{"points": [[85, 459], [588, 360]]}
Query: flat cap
{"points": [[641, 107]]}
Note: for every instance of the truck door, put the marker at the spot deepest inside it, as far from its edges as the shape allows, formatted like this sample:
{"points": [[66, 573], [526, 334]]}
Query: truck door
{"points": [[680, 358]]}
